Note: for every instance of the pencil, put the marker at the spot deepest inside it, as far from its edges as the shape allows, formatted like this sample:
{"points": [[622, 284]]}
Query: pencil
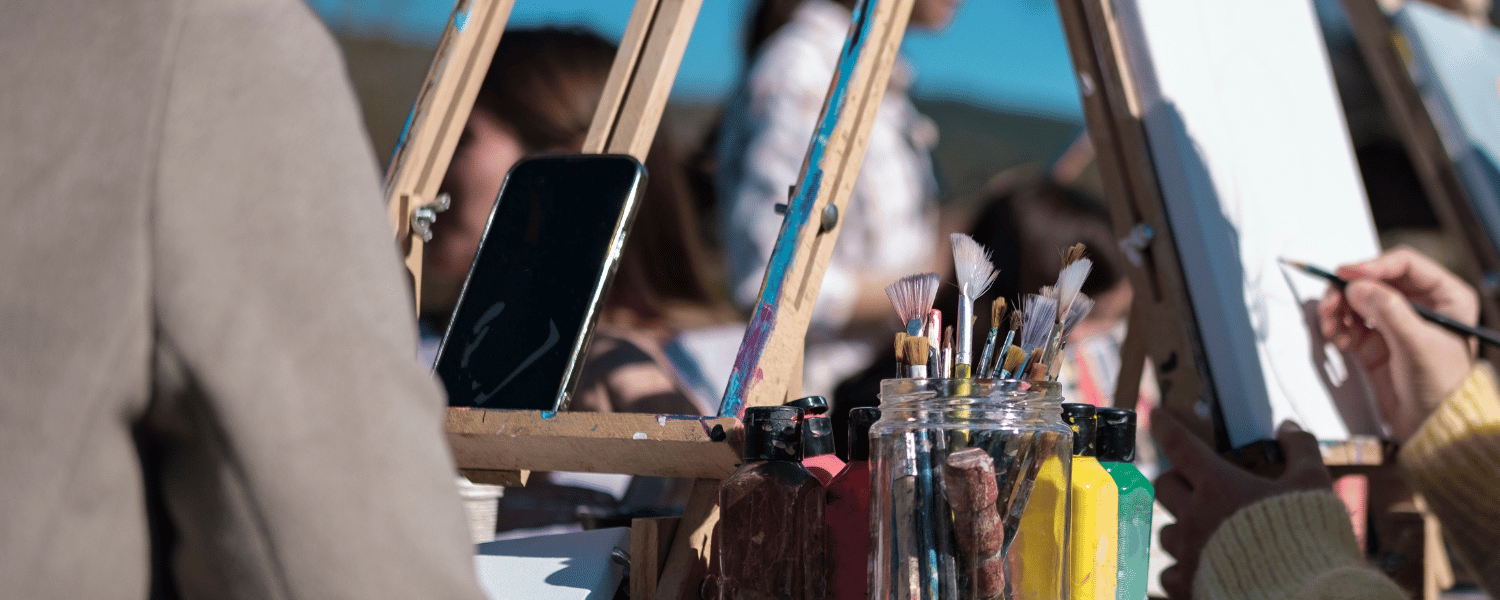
{"points": [[1488, 336]]}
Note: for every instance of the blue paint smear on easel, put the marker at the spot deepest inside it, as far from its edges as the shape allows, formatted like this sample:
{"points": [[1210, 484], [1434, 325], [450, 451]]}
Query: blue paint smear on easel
{"points": [[461, 19], [763, 322], [411, 115]]}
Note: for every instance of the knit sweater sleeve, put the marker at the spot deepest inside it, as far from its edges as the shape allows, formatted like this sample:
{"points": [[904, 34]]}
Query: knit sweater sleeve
{"points": [[1453, 461], [1292, 546]]}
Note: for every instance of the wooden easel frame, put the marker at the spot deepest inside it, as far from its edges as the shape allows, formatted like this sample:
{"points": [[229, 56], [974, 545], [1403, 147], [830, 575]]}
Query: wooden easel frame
{"points": [[1113, 116], [437, 120], [1161, 304], [669, 556]]}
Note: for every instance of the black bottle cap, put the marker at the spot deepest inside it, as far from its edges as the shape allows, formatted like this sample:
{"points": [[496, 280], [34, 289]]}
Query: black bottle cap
{"points": [[860, 420], [1081, 418], [817, 430], [773, 433], [811, 405], [1116, 436]]}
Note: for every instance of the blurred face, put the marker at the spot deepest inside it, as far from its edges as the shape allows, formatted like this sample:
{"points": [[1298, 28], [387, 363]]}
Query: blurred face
{"points": [[485, 153], [933, 15]]}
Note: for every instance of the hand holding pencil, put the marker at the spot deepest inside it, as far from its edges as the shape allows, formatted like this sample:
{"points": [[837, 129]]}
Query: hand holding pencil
{"points": [[1413, 362]]}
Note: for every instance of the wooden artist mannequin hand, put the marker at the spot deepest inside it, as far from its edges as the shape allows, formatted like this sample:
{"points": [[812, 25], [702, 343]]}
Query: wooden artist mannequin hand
{"points": [[1202, 490], [1414, 364]]}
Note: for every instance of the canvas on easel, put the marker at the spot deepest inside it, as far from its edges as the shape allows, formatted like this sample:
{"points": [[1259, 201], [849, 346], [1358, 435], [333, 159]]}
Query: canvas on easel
{"points": [[1147, 126], [1255, 164]]}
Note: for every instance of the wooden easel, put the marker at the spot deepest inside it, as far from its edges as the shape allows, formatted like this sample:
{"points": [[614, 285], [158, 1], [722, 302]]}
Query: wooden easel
{"points": [[668, 556], [1113, 114]]}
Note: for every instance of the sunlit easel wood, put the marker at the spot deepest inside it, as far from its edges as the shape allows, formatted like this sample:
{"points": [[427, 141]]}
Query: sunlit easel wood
{"points": [[437, 119]]}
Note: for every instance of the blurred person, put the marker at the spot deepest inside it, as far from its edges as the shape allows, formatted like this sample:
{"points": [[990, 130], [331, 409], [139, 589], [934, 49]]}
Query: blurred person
{"points": [[539, 97], [890, 227], [205, 340], [1239, 535]]}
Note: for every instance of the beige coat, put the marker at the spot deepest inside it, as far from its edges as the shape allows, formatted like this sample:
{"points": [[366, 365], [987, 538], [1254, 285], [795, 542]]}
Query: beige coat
{"points": [[207, 375]]}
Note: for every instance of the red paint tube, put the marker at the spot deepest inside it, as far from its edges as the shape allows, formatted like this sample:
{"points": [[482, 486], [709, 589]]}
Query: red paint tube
{"points": [[847, 517]]}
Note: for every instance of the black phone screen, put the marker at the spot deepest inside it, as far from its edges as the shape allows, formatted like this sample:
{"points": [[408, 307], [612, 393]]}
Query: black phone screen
{"points": [[520, 328]]}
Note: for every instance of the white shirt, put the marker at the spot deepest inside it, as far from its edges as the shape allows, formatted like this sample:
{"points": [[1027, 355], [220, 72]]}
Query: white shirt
{"points": [[889, 228]]}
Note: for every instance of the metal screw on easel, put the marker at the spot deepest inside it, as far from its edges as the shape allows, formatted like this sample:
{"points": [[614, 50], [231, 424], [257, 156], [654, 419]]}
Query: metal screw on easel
{"points": [[620, 557], [425, 215]]}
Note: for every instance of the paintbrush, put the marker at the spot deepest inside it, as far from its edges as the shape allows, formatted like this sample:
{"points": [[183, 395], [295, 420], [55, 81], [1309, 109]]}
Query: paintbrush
{"points": [[1488, 336], [912, 296], [1082, 305], [900, 354], [1015, 357], [934, 333], [1069, 285], [1001, 371], [1039, 447], [997, 308], [947, 358], [1081, 308], [916, 357], [975, 274], [1041, 314]]}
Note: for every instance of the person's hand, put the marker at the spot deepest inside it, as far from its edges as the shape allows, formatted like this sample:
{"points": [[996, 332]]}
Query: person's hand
{"points": [[1202, 490], [1414, 364]]}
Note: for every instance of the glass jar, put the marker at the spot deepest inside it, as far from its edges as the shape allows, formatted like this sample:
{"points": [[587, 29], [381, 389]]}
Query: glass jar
{"points": [[969, 492]]}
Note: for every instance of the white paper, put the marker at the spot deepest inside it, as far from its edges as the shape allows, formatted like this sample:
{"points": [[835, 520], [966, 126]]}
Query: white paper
{"points": [[1254, 162], [570, 566]]}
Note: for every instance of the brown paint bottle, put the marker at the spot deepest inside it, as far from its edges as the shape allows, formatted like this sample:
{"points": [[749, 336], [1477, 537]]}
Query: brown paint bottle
{"points": [[771, 515]]}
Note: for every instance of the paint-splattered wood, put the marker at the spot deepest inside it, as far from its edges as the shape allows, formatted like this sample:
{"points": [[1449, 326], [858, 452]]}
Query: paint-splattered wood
{"points": [[633, 444], [437, 119], [768, 366], [1162, 310], [764, 369]]}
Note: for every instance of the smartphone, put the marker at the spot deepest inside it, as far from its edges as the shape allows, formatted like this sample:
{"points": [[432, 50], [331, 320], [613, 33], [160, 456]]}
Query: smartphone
{"points": [[518, 337]]}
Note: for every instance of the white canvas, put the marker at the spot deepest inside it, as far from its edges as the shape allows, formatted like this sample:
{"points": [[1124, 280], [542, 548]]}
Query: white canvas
{"points": [[1254, 162], [569, 566]]}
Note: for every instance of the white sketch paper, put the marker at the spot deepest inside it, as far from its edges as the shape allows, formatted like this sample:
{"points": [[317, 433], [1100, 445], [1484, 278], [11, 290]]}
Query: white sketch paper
{"points": [[1254, 162]]}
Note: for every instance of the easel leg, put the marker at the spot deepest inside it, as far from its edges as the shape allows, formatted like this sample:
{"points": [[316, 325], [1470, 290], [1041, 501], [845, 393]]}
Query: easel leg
{"points": [[687, 562], [1409, 539], [649, 541], [1437, 571], [1132, 362]]}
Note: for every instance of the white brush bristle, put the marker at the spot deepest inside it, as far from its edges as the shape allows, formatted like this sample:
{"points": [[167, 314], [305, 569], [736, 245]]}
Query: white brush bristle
{"points": [[1070, 281], [912, 296], [1036, 326], [972, 266], [1076, 313]]}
